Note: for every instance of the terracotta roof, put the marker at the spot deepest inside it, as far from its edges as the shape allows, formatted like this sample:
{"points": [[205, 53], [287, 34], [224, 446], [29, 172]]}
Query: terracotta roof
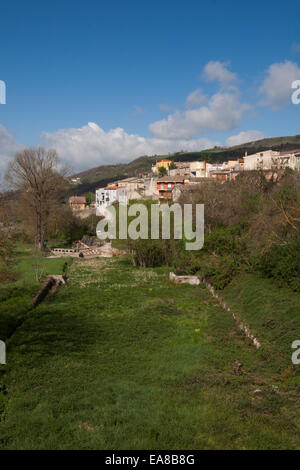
{"points": [[77, 200]]}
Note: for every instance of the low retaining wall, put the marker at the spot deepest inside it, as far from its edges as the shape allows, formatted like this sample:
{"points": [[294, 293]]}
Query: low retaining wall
{"points": [[193, 280], [104, 251], [196, 280]]}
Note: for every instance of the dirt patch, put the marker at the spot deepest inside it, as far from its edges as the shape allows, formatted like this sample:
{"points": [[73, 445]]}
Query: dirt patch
{"points": [[86, 427]]}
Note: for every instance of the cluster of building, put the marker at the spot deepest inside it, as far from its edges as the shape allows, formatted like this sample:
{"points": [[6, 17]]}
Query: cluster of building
{"points": [[169, 179], [125, 190], [268, 160]]}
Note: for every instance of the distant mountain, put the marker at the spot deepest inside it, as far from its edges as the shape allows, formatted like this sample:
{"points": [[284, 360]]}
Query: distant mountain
{"points": [[104, 174]]}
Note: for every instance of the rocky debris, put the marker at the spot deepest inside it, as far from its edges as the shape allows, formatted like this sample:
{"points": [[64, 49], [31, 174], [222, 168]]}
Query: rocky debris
{"points": [[238, 368], [87, 242]]}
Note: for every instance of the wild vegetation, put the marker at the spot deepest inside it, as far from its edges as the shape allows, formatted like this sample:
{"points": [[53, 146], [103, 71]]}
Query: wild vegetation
{"points": [[121, 358], [252, 224]]}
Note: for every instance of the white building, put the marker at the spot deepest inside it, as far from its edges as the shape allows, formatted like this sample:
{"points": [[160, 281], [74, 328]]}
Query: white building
{"points": [[271, 160], [292, 160], [105, 197], [76, 180], [261, 160], [134, 187], [200, 169]]}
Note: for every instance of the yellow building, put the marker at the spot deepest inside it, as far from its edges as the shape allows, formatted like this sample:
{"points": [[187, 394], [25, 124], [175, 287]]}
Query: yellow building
{"points": [[163, 163], [77, 203]]}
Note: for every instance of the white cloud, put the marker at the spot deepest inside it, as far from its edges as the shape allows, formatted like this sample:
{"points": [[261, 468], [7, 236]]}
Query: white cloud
{"points": [[276, 87], [8, 148], [244, 137], [195, 98], [222, 113], [91, 146], [215, 70]]}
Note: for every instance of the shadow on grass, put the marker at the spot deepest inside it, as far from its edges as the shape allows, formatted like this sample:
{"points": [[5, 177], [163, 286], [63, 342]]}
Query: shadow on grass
{"points": [[50, 332]]}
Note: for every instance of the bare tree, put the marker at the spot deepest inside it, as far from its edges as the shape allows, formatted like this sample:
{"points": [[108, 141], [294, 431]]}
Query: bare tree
{"points": [[279, 219], [37, 176], [7, 230]]}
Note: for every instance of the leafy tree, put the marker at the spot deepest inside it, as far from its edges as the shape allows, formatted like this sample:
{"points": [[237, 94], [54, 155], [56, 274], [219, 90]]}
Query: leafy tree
{"points": [[89, 198], [162, 171]]}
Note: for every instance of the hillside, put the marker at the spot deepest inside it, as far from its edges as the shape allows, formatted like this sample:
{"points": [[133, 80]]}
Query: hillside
{"points": [[101, 175]]}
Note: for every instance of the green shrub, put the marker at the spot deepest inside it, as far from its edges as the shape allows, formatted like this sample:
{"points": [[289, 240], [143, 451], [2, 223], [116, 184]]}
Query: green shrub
{"points": [[152, 253], [224, 241], [224, 253], [282, 263], [219, 272]]}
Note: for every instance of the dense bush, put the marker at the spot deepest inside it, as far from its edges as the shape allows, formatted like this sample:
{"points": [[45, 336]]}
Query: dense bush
{"points": [[74, 228], [282, 263], [223, 255], [252, 218], [219, 272], [151, 253]]}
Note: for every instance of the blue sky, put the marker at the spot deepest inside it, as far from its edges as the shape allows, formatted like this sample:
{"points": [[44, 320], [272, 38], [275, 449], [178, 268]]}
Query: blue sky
{"points": [[149, 77]]}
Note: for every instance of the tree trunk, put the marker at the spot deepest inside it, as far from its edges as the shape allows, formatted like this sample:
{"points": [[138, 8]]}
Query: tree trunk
{"points": [[39, 242]]}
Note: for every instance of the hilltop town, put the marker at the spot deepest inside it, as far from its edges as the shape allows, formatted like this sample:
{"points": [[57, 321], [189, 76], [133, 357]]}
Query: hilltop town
{"points": [[168, 180]]}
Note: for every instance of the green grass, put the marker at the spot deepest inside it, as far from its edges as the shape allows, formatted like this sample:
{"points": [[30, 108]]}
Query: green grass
{"points": [[273, 313], [16, 297], [123, 359]]}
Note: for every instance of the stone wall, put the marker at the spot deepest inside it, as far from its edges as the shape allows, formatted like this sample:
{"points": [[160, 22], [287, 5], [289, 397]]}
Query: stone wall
{"points": [[196, 280]]}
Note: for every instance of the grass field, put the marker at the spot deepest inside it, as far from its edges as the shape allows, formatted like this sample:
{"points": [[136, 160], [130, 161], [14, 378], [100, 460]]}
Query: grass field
{"points": [[16, 297], [121, 358]]}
